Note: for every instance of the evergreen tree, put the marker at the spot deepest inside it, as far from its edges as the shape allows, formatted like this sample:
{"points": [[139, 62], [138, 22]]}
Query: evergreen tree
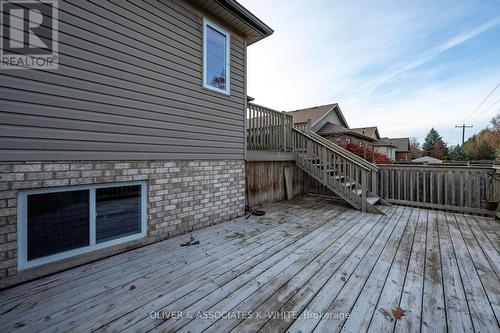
{"points": [[440, 150], [434, 145], [458, 153]]}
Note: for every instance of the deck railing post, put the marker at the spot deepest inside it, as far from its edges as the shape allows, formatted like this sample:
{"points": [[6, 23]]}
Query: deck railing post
{"points": [[374, 182], [496, 188], [325, 168], [363, 189], [308, 126], [284, 130]]}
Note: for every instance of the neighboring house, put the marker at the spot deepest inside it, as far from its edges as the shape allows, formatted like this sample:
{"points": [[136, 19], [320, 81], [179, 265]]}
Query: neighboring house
{"points": [[329, 122], [371, 132], [427, 160], [402, 148], [378, 145], [386, 149], [322, 117], [344, 136], [136, 137]]}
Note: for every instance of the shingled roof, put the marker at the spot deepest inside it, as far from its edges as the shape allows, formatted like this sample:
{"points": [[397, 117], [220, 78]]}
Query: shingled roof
{"points": [[329, 129], [402, 144], [368, 131], [316, 113]]}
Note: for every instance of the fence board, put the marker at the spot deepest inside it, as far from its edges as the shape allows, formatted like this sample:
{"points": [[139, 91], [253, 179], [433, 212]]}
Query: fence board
{"points": [[456, 188]]}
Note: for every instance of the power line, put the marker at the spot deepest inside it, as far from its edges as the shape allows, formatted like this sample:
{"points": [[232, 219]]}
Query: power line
{"points": [[488, 108], [484, 100], [486, 121], [463, 126]]}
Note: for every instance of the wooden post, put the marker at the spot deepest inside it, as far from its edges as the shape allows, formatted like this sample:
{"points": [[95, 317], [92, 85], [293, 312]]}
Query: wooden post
{"points": [[363, 189], [374, 182], [308, 126], [288, 182], [496, 188], [324, 159], [284, 130]]}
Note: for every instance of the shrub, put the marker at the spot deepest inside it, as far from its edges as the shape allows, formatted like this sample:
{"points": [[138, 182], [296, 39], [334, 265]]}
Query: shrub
{"points": [[367, 153]]}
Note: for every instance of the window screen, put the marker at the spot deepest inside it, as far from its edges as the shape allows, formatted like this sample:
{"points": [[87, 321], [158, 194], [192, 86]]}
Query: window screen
{"points": [[118, 212], [57, 222]]}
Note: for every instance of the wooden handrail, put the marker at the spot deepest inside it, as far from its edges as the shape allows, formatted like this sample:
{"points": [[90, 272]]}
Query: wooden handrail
{"points": [[340, 173], [433, 167], [342, 152]]}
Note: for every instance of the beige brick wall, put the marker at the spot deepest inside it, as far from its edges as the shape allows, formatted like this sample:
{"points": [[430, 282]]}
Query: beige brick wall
{"points": [[182, 195]]}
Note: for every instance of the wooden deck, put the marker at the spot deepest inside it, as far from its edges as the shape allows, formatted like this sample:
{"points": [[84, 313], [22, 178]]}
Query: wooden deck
{"points": [[307, 265]]}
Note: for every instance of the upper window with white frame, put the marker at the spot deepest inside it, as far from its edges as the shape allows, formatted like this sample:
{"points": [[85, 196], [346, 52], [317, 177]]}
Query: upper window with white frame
{"points": [[216, 48]]}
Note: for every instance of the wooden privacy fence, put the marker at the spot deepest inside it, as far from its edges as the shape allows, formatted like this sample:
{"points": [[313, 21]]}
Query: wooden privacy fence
{"points": [[455, 188], [268, 129]]}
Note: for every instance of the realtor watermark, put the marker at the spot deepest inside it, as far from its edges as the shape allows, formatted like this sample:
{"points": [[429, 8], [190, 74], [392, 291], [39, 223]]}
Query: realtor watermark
{"points": [[166, 315], [29, 34]]}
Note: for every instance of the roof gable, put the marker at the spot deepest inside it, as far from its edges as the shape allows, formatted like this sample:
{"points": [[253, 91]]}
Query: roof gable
{"points": [[402, 144], [331, 128], [320, 115], [368, 131], [427, 159]]}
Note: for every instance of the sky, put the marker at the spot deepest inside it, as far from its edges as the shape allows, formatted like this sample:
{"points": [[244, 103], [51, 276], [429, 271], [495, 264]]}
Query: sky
{"points": [[404, 66]]}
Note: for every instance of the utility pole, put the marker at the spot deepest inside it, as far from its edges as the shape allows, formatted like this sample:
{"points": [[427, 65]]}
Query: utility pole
{"points": [[463, 126]]}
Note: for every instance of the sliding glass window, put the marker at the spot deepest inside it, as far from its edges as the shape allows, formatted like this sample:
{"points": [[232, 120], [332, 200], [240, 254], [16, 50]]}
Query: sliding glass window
{"points": [[59, 223]]}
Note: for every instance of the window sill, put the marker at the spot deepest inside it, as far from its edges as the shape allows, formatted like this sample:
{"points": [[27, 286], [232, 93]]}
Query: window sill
{"points": [[217, 91]]}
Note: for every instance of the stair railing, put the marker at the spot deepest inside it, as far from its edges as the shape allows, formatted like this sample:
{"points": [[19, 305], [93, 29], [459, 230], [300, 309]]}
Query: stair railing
{"points": [[344, 175], [372, 175]]}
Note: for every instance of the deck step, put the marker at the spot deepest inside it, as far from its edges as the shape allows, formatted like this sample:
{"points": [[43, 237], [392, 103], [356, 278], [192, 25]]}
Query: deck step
{"points": [[358, 191], [372, 200]]}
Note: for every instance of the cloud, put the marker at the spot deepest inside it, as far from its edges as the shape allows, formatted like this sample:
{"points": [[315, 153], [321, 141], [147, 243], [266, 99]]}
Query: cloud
{"points": [[438, 105], [430, 55], [400, 65]]}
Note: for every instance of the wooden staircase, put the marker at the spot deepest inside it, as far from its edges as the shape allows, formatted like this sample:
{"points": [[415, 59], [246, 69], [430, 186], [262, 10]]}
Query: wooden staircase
{"points": [[347, 175]]}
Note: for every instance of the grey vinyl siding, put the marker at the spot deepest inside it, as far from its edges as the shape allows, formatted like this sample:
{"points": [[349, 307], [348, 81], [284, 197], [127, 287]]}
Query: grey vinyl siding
{"points": [[129, 86]]}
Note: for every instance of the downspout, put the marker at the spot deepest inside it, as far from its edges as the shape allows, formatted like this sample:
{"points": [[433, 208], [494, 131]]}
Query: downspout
{"points": [[245, 119], [245, 98]]}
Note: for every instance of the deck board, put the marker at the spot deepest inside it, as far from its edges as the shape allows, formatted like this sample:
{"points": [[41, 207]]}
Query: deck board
{"points": [[369, 296], [382, 319], [433, 304], [305, 258], [480, 308], [411, 298], [457, 309]]}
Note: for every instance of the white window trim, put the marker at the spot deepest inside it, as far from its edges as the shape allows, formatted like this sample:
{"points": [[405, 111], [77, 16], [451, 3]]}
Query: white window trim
{"points": [[23, 262], [207, 23]]}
